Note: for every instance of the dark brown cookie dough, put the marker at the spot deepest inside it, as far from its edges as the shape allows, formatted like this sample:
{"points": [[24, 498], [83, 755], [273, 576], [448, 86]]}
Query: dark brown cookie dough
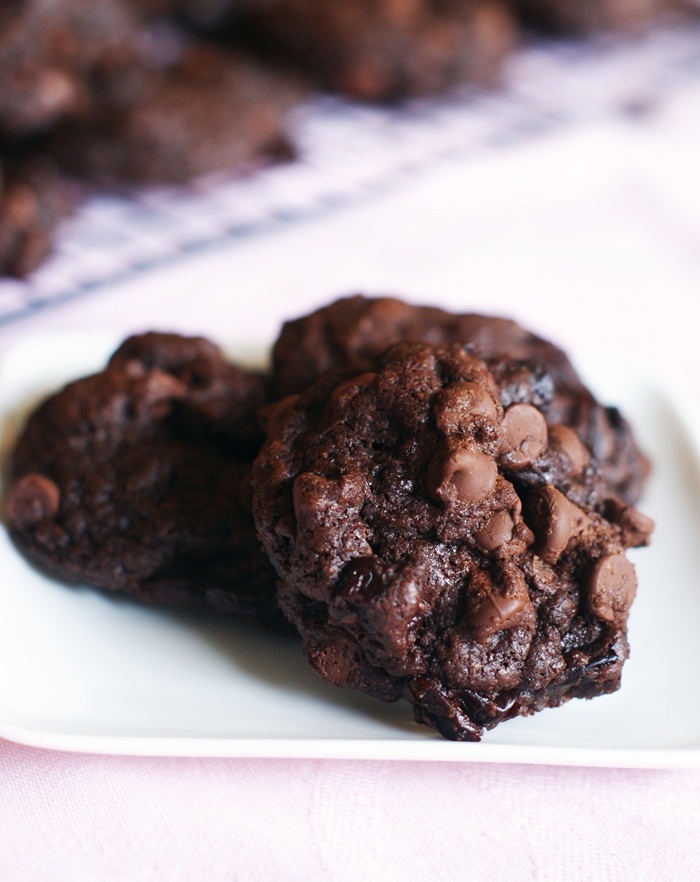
{"points": [[200, 110], [225, 398], [136, 480], [383, 49], [351, 332], [435, 543]]}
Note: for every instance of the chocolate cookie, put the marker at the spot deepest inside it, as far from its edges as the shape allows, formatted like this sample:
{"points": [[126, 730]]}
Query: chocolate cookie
{"points": [[351, 332], [381, 49], [48, 54], [136, 480], [32, 201], [185, 110], [225, 397], [435, 541], [573, 17]]}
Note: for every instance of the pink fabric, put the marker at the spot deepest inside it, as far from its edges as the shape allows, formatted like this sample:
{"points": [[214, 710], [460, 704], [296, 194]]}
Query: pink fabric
{"points": [[75, 817]]}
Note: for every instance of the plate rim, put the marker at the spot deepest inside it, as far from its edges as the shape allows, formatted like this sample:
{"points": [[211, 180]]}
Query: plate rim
{"points": [[353, 749]]}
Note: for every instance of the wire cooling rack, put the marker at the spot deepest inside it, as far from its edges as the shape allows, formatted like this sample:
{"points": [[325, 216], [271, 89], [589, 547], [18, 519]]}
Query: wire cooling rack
{"points": [[350, 153]]}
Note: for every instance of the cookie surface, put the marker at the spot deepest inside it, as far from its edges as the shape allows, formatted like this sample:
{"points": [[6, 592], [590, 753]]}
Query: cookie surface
{"points": [[350, 333], [136, 480], [436, 542]]}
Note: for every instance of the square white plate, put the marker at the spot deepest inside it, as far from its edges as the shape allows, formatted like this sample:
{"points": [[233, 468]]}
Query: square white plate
{"points": [[86, 672]]}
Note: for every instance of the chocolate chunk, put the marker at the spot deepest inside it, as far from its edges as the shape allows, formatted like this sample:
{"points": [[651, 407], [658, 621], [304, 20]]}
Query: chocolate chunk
{"points": [[497, 601], [637, 528], [498, 612], [465, 474], [524, 436], [462, 405], [498, 531], [33, 499], [555, 519], [359, 580], [564, 439], [612, 587]]}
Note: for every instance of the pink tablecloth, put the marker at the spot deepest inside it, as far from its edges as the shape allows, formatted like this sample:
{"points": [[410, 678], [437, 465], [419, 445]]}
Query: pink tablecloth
{"points": [[74, 817], [591, 238]]}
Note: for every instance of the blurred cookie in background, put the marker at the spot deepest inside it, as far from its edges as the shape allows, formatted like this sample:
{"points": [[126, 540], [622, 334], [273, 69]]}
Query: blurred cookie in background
{"points": [[383, 49], [33, 199], [187, 108], [574, 17], [49, 53]]}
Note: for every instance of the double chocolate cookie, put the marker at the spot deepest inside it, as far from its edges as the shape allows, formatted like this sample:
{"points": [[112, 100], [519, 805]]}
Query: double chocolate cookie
{"points": [[183, 109], [113, 91], [381, 49], [351, 332], [136, 480], [32, 201], [49, 54], [441, 539]]}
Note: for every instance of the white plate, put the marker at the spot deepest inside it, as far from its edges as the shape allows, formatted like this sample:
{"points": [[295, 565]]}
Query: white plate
{"points": [[85, 672]]}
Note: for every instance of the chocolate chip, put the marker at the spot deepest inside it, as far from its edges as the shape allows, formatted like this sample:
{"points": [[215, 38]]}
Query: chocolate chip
{"points": [[524, 436], [359, 581], [500, 607], [565, 440], [498, 613], [468, 475], [34, 498], [460, 404], [555, 519], [636, 526], [612, 586], [498, 531]]}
